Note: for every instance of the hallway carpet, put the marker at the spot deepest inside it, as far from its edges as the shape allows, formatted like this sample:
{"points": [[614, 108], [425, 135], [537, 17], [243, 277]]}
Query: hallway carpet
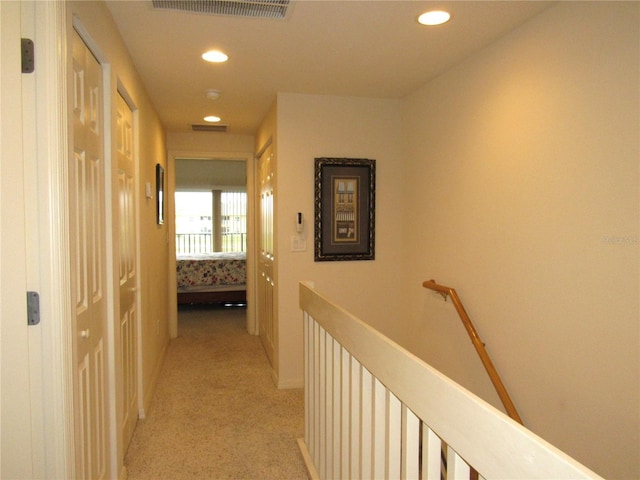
{"points": [[216, 413]]}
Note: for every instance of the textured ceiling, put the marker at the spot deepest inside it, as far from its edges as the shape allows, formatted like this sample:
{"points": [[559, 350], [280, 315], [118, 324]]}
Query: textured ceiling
{"points": [[371, 48]]}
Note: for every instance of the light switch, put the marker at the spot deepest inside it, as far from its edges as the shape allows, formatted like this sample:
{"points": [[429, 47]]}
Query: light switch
{"points": [[298, 244]]}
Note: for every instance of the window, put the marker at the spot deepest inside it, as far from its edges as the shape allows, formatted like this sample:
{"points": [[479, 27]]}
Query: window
{"points": [[214, 221], [233, 221]]}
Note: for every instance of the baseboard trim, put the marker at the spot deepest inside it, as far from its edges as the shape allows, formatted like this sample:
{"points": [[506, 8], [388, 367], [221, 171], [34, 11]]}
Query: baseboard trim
{"points": [[151, 388], [284, 385]]}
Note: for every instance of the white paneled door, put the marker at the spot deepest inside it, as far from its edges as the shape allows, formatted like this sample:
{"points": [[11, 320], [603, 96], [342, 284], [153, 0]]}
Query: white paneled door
{"points": [[87, 241], [266, 256], [126, 235]]}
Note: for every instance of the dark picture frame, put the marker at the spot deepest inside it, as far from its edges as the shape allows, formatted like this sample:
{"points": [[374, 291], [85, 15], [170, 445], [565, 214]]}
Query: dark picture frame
{"points": [[344, 209], [159, 194]]}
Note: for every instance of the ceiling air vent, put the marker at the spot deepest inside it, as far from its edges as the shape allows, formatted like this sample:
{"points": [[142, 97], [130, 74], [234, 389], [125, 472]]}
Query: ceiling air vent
{"points": [[235, 8], [209, 128]]}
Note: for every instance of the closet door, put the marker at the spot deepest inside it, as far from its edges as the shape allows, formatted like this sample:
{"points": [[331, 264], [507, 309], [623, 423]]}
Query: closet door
{"points": [[266, 307], [127, 271], [87, 240]]}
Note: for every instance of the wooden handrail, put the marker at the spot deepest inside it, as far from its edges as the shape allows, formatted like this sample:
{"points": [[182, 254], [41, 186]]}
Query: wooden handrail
{"points": [[477, 343]]}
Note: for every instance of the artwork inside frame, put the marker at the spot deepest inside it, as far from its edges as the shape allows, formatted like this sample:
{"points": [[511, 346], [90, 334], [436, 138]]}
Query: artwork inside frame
{"points": [[344, 209], [159, 194]]}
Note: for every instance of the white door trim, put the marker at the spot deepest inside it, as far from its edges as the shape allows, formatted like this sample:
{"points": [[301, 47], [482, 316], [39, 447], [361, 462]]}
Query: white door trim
{"points": [[52, 154], [18, 427]]}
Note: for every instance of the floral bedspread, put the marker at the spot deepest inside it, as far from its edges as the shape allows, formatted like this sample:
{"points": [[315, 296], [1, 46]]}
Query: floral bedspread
{"points": [[211, 269]]}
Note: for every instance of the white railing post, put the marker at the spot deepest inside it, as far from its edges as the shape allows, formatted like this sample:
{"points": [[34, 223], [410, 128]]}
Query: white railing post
{"points": [[393, 440], [322, 403], [345, 375], [354, 418], [410, 444], [336, 464], [431, 454], [379, 433], [366, 424]]}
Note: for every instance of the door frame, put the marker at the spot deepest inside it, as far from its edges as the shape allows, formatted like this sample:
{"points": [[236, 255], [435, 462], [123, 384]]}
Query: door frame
{"points": [[52, 125], [19, 425], [51, 346], [252, 326]]}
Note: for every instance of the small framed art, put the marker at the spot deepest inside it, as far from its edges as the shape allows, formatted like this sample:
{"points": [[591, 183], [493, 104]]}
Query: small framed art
{"points": [[344, 209]]}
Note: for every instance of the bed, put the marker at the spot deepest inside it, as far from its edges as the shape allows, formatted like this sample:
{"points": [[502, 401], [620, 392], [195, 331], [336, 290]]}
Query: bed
{"points": [[212, 278]]}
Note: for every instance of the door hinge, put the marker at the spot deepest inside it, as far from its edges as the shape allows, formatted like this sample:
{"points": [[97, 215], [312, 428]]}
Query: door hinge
{"points": [[33, 308], [28, 56]]}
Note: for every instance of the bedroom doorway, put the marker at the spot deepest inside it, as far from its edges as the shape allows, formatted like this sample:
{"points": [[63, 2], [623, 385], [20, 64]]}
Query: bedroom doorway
{"points": [[212, 225], [203, 170]]}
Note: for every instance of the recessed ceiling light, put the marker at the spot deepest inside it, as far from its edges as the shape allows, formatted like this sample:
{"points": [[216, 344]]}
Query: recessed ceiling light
{"points": [[435, 17], [215, 56], [211, 118]]}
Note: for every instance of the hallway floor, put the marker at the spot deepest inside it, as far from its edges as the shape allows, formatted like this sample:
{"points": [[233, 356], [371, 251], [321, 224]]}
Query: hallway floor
{"points": [[216, 413]]}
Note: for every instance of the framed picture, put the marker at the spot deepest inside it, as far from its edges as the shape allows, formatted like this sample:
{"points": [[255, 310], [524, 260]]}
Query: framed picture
{"points": [[159, 194], [344, 209]]}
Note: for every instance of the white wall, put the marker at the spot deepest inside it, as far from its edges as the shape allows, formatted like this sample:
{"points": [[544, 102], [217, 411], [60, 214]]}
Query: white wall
{"points": [[522, 174], [311, 126]]}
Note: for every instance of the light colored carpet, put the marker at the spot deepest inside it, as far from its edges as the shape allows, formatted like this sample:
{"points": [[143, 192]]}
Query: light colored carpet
{"points": [[216, 413]]}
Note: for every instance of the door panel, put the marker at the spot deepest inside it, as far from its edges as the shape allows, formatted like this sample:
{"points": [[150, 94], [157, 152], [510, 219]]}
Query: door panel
{"points": [[266, 257], [126, 234], [87, 233]]}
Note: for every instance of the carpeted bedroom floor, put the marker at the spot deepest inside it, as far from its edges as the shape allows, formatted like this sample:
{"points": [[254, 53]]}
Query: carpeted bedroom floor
{"points": [[216, 413]]}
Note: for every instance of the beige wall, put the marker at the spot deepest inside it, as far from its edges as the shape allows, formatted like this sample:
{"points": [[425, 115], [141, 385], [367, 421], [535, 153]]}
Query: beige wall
{"points": [[96, 20], [311, 126], [522, 170]]}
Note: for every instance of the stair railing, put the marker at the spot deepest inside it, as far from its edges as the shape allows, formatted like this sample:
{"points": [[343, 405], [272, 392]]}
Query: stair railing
{"points": [[479, 346]]}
